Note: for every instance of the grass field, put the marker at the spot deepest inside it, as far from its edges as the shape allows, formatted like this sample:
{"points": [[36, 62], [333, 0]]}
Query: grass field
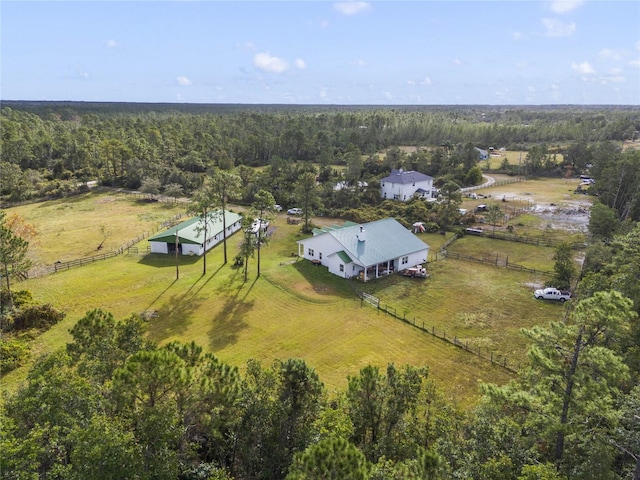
{"points": [[294, 309]]}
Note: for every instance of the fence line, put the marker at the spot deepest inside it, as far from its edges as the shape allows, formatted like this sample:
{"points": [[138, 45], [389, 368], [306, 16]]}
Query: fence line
{"points": [[484, 353], [497, 261], [538, 241], [126, 247], [494, 184]]}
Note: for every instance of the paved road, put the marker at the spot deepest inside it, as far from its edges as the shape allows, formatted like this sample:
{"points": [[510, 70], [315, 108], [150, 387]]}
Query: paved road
{"points": [[489, 181]]}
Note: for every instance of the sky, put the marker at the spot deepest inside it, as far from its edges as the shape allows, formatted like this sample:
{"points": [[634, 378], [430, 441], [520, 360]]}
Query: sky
{"points": [[320, 52]]}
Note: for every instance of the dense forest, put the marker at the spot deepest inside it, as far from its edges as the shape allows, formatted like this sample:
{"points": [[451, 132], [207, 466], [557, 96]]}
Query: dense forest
{"points": [[54, 148], [113, 405]]}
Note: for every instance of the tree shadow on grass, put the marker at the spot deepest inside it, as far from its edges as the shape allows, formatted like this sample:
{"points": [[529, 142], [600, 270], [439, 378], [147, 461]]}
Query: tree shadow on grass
{"points": [[323, 282], [176, 313], [174, 316], [161, 260], [227, 324]]}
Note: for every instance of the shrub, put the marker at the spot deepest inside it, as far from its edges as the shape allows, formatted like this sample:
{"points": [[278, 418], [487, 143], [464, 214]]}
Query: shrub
{"points": [[36, 316], [13, 353]]}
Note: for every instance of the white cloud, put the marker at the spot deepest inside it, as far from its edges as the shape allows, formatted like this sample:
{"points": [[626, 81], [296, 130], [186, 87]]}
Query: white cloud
{"points": [[616, 71], [608, 54], [426, 81], [112, 44], [351, 8], [638, 45], [635, 63], [556, 28], [301, 64], [564, 6], [583, 67], [359, 63], [517, 35], [457, 61], [183, 81], [83, 74], [264, 61], [522, 64]]}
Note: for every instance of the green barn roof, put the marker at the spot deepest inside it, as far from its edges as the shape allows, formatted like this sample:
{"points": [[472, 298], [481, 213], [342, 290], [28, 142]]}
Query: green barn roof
{"points": [[192, 230]]}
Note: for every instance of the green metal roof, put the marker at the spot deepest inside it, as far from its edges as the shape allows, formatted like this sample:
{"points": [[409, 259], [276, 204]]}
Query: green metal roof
{"points": [[383, 239], [344, 257], [317, 231], [192, 230]]}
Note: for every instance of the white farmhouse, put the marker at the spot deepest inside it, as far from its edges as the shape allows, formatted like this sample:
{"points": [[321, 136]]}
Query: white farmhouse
{"points": [[366, 251], [190, 234], [402, 185]]}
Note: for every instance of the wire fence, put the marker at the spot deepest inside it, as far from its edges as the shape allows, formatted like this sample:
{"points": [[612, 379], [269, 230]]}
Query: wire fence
{"points": [[451, 338]]}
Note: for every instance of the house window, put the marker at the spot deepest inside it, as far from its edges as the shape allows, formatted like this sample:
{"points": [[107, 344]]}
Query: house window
{"points": [[405, 260], [320, 255], [311, 252], [341, 267]]}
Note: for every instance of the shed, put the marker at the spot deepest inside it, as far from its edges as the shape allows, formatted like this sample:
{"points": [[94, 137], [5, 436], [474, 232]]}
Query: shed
{"points": [[190, 234]]}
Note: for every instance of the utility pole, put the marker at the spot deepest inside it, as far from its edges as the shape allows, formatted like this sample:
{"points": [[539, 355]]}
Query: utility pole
{"points": [[177, 270]]}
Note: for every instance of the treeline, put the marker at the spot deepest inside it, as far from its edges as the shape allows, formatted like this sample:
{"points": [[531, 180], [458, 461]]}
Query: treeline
{"points": [[61, 144]]}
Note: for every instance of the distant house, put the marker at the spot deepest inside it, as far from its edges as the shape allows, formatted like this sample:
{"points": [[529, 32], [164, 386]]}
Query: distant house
{"points": [[402, 185], [482, 154], [366, 251], [190, 234]]}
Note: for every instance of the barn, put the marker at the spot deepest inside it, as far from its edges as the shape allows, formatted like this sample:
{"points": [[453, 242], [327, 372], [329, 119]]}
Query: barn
{"points": [[190, 234], [365, 251]]}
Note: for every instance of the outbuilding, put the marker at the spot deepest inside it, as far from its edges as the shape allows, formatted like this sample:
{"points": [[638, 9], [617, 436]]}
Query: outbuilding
{"points": [[189, 236]]}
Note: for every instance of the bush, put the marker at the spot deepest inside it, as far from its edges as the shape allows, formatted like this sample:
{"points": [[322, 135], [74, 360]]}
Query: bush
{"points": [[13, 353], [36, 316], [431, 227]]}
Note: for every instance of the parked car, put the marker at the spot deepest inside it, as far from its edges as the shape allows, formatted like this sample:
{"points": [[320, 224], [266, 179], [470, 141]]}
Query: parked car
{"points": [[277, 208], [416, 272], [294, 211], [551, 293]]}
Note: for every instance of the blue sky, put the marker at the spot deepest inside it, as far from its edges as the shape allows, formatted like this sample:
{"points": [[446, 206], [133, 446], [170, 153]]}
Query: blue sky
{"points": [[308, 52]]}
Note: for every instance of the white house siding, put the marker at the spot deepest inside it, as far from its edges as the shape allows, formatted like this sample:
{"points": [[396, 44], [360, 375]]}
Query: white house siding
{"points": [[323, 244], [349, 269], [413, 259], [159, 247], [404, 192]]}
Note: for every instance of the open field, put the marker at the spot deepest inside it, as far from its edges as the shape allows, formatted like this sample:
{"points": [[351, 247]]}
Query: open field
{"points": [[295, 309], [74, 227], [513, 158]]}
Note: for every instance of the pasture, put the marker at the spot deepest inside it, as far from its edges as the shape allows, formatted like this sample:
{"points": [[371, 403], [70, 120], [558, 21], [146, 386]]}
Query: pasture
{"points": [[294, 309]]}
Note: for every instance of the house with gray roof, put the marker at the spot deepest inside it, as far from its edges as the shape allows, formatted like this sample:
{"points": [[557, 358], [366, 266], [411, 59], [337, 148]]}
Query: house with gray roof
{"points": [[402, 185], [365, 251], [189, 236]]}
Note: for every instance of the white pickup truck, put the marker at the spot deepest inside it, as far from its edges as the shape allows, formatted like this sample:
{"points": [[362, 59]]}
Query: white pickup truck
{"points": [[551, 293]]}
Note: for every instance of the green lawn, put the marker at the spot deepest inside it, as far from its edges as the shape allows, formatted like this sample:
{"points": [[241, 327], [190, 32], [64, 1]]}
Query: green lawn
{"points": [[294, 309]]}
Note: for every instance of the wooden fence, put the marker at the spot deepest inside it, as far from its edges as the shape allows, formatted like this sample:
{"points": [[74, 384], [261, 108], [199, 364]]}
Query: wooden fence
{"points": [[453, 339], [497, 261], [538, 241], [494, 184], [128, 247]]}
